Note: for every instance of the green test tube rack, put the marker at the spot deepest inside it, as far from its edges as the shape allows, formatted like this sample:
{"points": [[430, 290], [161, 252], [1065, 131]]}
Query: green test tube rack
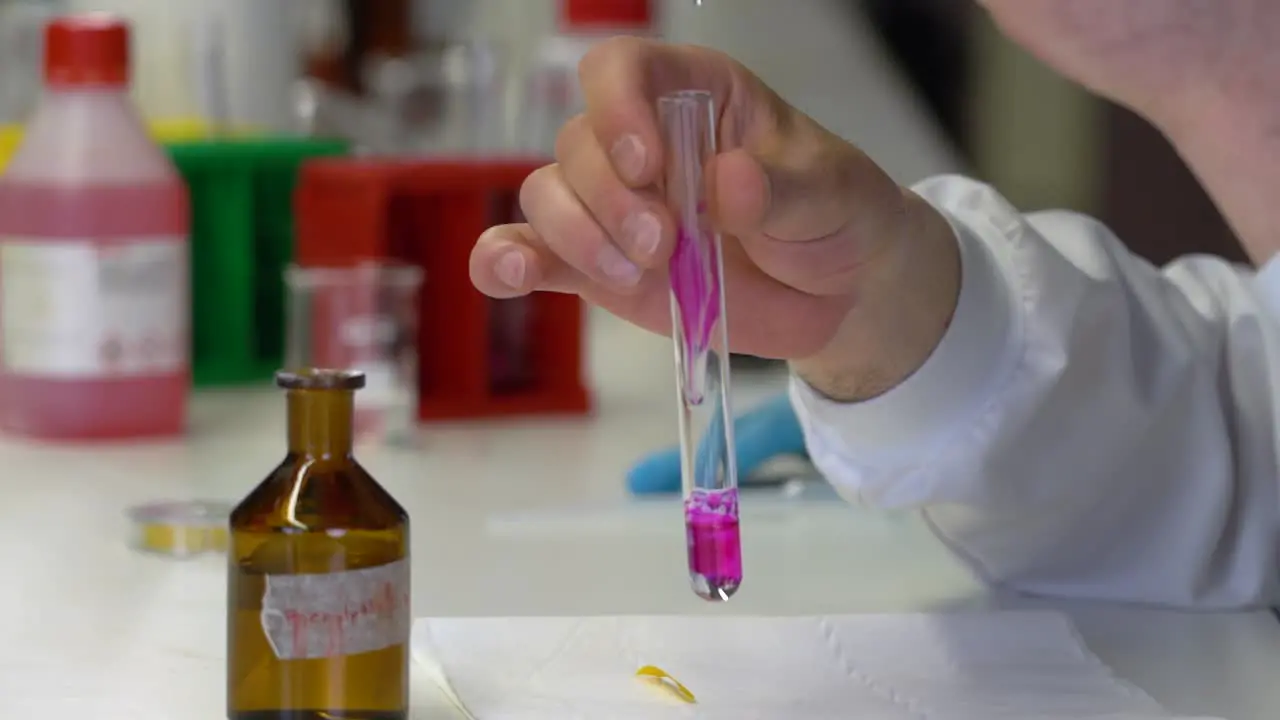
{"points": [[241, 240]]}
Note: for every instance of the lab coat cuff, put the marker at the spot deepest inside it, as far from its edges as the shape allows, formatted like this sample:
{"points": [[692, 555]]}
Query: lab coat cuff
{"points": [[947, 392]]}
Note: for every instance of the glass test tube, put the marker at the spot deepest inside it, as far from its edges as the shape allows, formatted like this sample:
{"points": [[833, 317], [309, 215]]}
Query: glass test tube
{"points": [[708, 464]]}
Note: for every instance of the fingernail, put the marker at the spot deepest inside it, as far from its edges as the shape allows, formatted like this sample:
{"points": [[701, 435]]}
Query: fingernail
{"points": [[643, 233], [510, 269], [628, 157], [617, 267]]}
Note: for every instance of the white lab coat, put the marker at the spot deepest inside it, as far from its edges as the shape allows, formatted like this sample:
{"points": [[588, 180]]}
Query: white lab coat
{"points": [[1090, 426]]}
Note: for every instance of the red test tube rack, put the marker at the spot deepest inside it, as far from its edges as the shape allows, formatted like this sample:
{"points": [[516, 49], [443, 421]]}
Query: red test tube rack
{"points": [[478, 357]]}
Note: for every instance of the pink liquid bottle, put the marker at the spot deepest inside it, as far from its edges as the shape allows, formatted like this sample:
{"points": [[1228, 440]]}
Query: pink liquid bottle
{"points": [[94, 276]]}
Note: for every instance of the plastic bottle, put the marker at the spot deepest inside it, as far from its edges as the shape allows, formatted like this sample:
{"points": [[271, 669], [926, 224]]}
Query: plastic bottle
{"points": [[94, 275], [552, 86]]}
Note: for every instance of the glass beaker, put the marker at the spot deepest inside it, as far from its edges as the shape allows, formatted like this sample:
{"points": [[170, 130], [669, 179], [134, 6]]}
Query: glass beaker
{"points": [[363, 317]]}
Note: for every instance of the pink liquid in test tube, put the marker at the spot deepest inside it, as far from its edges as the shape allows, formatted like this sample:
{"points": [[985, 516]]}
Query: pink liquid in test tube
{"points": [[708, 467], [715, 548]]}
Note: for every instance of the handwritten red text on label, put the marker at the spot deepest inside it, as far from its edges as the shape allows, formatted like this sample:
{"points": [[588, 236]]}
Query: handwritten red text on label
{"points": [[336, 614]]}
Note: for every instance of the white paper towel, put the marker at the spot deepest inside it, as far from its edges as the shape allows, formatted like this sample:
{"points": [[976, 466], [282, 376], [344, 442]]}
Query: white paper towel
{"points": [[962, 666]]}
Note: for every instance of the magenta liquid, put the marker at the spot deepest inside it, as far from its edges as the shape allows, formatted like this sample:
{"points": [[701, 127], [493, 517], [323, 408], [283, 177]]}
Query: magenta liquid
{"points": [[715, 548], [711, 515], [695, 283], [708, 466], [101, 406]]}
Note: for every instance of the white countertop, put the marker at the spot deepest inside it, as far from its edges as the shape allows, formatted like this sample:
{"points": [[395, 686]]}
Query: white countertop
{"points": [[522, 518]]}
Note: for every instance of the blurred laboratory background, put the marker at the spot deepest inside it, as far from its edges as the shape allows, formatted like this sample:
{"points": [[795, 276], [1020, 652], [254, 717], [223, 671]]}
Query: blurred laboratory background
{"points": [[923, 85], [301, 185], [318, 135]]}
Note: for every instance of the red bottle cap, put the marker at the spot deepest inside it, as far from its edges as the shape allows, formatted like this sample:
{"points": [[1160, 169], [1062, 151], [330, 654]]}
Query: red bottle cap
{"points": [[88, 50], [606, 14]]}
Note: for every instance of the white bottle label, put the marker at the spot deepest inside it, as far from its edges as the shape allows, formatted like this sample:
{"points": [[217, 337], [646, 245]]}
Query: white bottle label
{"points": [[77, 309], [336, 614]]}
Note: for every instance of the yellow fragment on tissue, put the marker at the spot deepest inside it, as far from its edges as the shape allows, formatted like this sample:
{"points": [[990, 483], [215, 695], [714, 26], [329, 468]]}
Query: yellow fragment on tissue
{"points": [[660, 677]]}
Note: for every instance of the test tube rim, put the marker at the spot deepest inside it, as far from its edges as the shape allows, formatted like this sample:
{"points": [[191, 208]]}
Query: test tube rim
{"points": [[688, 97]]}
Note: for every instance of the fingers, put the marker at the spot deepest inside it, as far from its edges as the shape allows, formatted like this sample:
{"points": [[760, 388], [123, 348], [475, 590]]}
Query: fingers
{"points": [[585, 228], [622, 79], [587, 232], [635, 220], [811, 209], [801, 184], [511, 260], [562, 248], [572, 233], [780, 176]]}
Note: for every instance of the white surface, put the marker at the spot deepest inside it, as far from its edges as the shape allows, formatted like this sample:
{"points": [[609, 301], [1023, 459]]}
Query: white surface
{"points": [[1089, 426], [945, 666], [91, 628]]}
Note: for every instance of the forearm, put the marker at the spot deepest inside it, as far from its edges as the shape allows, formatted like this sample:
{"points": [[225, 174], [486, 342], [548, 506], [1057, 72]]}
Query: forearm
{"points": [[1231, 140], [904, 304], [1087, 426]]}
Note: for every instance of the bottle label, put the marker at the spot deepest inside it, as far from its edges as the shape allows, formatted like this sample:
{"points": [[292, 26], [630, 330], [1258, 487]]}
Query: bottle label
{"points": [[336, 614], [75, 308]]}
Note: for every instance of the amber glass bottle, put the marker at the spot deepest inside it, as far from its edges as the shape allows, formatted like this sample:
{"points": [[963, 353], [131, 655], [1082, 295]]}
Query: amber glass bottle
{"points": [[318, 585]]}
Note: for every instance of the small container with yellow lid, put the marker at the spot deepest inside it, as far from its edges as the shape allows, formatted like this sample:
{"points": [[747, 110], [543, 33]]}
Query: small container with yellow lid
{"points": [[180, 529]]}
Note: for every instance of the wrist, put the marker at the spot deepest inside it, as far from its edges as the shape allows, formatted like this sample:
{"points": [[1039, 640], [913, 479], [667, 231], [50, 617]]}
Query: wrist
{"points": [[904, 306]]}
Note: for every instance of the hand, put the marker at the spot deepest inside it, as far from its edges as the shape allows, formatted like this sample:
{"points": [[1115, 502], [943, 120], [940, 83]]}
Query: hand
{"points": [[813, 229], [1150, 54]]}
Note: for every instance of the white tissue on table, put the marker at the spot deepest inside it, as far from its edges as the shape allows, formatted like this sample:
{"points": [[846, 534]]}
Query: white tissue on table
{"points": [[962, 666]]}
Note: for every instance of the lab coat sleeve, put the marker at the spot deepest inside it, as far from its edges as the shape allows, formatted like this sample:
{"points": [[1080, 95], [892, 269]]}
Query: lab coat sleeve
{"points": [[1090, 426]]}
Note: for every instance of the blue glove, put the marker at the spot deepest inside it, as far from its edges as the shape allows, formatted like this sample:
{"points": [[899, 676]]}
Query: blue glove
{"points": [[763, 434]]}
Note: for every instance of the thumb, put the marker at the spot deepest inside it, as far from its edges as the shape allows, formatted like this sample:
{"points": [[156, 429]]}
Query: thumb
{"points": [[810, 210], [799, 183]]}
